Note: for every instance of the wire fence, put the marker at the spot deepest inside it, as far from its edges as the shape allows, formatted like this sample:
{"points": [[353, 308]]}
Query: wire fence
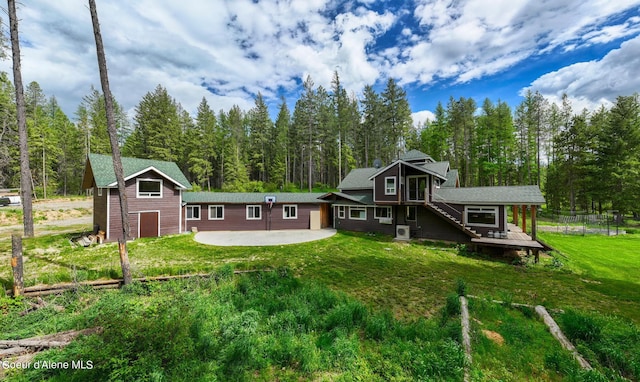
{"points": [[584, 224]]}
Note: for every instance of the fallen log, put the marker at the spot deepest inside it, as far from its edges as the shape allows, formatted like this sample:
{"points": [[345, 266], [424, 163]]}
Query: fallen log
{"points": [[49, 341], [557, 333], [11, 352], [44, 290]]}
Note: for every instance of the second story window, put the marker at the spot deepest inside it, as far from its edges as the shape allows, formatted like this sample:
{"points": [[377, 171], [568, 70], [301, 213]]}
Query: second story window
{"points": [[149, 188], [390, 185]]}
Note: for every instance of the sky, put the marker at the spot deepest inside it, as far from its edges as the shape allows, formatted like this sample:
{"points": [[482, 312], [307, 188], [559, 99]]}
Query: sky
{"points": [[229, 51]]}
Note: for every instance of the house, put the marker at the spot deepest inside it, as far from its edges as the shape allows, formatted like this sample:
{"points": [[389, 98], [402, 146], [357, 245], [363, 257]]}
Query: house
{"points": [[416, 196], [413, 197], [154, 195], [232, 211], [159, 206]]}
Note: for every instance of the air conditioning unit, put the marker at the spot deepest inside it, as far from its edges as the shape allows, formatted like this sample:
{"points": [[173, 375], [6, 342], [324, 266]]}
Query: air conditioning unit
{"points": [[403, 232], [386, 221]]}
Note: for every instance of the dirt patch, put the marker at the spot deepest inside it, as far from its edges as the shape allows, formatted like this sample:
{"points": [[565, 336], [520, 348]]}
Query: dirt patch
{"points": [[493, 336]]}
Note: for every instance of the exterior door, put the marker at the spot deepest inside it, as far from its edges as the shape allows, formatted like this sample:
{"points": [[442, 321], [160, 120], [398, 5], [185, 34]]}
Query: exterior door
{"points": [[148, 224]]}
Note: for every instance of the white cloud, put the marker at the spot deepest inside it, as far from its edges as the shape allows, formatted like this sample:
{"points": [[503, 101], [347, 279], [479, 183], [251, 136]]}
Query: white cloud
{"points": [[420, 117], [241, 47], [468, 40], [590, 84]]}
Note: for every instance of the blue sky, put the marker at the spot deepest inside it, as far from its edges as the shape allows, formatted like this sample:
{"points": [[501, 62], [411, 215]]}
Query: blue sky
{"points": [[228, 51]]}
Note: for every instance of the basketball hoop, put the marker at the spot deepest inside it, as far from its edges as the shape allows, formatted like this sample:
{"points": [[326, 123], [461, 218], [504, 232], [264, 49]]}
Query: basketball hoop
{"points": [[270, 200]]}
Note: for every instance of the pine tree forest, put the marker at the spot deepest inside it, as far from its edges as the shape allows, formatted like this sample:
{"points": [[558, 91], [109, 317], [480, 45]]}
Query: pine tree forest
{"points": [[583, 160]]}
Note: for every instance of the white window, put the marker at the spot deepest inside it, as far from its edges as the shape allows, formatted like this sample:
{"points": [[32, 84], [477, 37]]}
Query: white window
{"points": [[99, 191], [358, 213], [193, 212], [390, 185], [412, 213], [382, 212], [149, 188], [482, 216], [216, 212], [254, 212], [341, 212], [290, 211]]}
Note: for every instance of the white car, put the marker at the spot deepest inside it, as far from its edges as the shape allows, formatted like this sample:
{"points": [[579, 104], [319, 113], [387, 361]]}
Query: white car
{"points": [[11, 200]]}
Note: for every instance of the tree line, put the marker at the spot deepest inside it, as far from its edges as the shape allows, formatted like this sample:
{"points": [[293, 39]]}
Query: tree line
{"points": [[583, 161]]}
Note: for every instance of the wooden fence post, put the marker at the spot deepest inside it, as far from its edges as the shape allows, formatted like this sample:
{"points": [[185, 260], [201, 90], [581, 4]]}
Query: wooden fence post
{"points": [[16, 264]]}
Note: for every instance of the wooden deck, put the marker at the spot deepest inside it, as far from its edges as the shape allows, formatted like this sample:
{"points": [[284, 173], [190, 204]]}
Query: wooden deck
{"points": [[515, 239]]}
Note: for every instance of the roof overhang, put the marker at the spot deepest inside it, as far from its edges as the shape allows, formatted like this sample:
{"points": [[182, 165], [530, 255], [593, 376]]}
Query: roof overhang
{"points": [[411, 165], [490, 196], [150, 168]]}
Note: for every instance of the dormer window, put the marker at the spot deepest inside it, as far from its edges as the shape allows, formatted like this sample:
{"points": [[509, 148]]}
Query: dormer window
{"points": [[390, 185]]}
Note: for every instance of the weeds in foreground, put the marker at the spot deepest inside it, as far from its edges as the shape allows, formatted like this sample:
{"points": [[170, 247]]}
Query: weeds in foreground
{"points": [[263, 326]]}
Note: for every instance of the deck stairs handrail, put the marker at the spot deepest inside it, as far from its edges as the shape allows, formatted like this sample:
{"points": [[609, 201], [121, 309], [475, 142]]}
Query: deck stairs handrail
{"points": [[437, 207]]}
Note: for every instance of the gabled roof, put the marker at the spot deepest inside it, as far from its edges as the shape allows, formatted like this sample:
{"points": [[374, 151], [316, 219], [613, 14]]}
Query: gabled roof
{"points": [[251, 197], [440, 168], [358, 179], [417, 166], [99, 171], [501, 195], [452, 179], [415, 155], [365, 199]]}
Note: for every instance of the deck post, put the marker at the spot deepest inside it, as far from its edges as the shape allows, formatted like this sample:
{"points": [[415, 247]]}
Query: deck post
{"points": [[515, 214], [534, 225], [524, 218]]}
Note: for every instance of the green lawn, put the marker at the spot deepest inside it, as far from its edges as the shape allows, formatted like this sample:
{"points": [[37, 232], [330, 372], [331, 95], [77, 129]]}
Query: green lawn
{"points": [[602, 257], [410, 280]]}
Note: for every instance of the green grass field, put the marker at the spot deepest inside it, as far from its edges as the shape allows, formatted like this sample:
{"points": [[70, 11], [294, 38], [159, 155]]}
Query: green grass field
{"points": [[411, 281]]}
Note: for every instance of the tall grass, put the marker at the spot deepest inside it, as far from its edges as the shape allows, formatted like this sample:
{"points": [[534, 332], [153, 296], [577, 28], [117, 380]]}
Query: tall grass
{"points": [[263, 326]]}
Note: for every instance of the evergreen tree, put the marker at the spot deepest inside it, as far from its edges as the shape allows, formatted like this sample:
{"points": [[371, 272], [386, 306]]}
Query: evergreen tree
{"points": [[280, 163], [9, 155], [619, 154], [157, 128], [396, 119], [435, 138], [260, 125], [92, 120], [368, 137]]}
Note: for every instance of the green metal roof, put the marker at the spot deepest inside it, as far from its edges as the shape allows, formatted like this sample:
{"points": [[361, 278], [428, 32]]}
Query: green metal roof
{"points": [[504, 195], [104, 176], [251, 197], [358, 179]]}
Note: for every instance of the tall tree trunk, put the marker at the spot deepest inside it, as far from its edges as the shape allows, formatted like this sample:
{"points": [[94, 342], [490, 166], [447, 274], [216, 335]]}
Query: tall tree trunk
{"points": [[25, 173], [115, 149]]}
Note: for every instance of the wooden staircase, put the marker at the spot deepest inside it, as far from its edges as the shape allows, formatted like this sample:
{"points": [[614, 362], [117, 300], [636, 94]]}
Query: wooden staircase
{"points": [[451, 219]]}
